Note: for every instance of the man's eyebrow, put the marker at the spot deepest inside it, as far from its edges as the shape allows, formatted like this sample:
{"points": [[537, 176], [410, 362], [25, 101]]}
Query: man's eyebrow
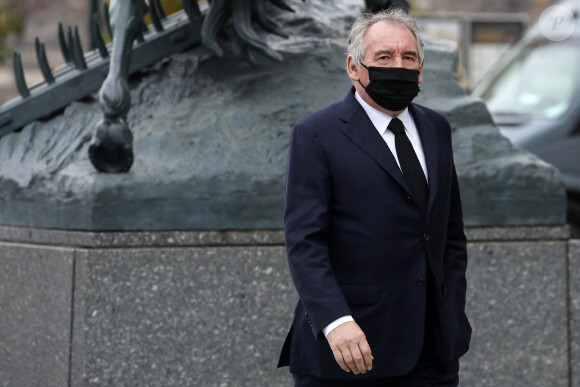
{"points": [[412, 53], [383, 52]]}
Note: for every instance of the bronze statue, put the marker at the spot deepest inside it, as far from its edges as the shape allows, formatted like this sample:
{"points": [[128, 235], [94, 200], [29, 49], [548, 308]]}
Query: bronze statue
{"points": [[111, 146], [242, 12], [377, 5], [84, 73]]}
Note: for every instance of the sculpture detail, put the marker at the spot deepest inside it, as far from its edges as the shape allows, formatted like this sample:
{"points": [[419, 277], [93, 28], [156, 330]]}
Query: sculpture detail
{"points": [[242, 12], [377, 5], [85, 73], [111, 148]]}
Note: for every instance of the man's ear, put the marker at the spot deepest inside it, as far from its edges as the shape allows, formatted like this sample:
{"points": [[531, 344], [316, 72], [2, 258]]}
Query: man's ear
{"points": [[352, 69], [421, 71]]}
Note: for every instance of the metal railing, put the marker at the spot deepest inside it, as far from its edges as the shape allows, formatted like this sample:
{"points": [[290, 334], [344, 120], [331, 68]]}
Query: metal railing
{"points": [[84, 73]]}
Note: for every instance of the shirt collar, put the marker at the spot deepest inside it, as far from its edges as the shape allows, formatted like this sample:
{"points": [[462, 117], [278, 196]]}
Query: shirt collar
{"points": [[380, 119]]}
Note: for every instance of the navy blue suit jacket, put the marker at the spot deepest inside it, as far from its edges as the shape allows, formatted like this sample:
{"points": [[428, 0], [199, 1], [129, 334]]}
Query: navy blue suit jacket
{"points": [[357, 243]]}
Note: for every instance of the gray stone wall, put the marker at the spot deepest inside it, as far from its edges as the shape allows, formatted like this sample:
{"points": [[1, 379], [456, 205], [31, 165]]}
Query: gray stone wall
{"points": [[36, 284], [212, 308], [574, 283], [517, 304]]}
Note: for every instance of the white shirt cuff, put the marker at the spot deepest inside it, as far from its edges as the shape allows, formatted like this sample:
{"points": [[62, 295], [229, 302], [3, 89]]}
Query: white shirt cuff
{"points": [[327, 329]]}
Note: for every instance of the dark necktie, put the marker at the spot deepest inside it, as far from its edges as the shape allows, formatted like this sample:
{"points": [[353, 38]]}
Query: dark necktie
{"points": [[412, 171]]}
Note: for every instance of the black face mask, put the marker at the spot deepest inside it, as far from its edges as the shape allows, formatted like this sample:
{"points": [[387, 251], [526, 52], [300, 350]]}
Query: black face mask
{"points": [[393, 88]]}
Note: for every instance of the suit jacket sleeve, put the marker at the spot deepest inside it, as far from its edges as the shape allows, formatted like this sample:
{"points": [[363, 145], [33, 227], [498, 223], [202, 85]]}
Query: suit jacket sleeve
{"points": [[306, 224]]}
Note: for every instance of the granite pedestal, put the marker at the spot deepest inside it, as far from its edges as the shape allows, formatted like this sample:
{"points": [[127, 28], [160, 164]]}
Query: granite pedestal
{"points": [[574, 283], [517, 304], [212, 308]]}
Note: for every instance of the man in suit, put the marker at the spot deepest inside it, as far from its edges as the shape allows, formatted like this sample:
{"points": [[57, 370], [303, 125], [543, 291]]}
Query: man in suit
{"points": [[373, 226]]}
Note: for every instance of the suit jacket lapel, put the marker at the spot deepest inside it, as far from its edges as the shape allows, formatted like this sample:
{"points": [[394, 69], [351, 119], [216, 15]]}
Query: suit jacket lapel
{"points": [[429, 143], [361, 131]]}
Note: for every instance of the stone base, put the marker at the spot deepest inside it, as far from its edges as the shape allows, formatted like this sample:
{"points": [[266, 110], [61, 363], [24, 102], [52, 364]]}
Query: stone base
{"points": [[574, 283], [517, 304], [212, 308]]}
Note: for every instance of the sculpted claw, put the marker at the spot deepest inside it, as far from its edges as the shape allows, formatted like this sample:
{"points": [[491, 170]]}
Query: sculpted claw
{"points": [[282, 5], [242, 20], [213, 23], [241, 13], [264, 22]]}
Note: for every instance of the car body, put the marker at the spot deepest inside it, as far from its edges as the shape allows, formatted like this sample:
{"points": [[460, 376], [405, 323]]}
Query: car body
{"points": [[533, 94]]}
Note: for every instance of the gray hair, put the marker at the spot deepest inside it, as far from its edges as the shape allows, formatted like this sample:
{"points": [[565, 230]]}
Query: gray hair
{"points": [[356, 40]]}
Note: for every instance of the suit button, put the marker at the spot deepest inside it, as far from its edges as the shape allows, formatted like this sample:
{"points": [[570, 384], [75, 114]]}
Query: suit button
{"points": [[409, 198], [425, 237], [420, 281]]}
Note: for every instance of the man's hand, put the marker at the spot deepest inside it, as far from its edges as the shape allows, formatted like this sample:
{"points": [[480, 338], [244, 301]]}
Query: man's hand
{"points": [[350, 348]]}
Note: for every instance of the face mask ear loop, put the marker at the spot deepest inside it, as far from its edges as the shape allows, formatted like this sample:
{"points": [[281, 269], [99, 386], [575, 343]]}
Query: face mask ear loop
{"points": [[362, 85], [363, 65]]}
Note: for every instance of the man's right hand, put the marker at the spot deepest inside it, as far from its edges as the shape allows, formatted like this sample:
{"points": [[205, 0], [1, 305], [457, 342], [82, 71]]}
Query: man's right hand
{"points": [[350, 348]]}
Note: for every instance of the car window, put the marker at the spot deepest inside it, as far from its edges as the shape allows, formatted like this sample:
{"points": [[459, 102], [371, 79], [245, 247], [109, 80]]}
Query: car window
{"points": [[540, 81]]}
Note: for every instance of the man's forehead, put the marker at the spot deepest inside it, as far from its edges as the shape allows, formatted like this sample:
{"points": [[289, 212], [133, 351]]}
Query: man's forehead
{"points": [[383, 29], [382, 34]]}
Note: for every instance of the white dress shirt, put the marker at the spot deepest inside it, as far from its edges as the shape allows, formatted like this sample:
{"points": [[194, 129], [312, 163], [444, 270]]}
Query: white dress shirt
{"points": [[381, 120]]}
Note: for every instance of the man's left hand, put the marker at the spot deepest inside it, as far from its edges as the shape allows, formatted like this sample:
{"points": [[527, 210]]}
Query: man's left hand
{"points": [[350, 348]]}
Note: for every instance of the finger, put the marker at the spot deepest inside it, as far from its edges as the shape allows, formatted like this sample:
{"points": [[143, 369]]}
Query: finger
{"points": [[367, 354], [349, 360], [358, 359], [339, 359]]}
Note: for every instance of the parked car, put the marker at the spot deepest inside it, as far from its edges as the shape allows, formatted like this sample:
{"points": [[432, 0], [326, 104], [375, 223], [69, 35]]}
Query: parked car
{"points": [[533, 95]]}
